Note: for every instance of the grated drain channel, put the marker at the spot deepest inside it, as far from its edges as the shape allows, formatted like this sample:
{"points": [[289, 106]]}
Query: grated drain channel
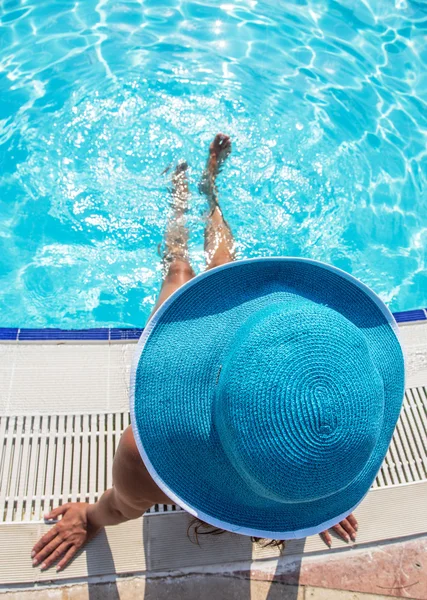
{"points": [[406, 459], [52, 459]]}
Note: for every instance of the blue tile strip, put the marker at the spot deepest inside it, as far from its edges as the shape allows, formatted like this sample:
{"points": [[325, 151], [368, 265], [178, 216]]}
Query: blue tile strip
{"points": [[8, 333], [123, 334], [410, 315], [63, 334]]}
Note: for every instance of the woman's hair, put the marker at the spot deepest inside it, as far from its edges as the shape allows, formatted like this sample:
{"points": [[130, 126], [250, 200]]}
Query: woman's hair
{"points": [[201, 528]]}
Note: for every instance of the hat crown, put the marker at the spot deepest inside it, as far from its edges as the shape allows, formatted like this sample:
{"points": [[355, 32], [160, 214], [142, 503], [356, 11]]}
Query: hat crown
{"points": [[299, 403]]}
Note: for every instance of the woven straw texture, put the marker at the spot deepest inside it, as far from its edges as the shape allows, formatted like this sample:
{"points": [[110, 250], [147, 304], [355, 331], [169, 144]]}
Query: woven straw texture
{"points": [[266, 395]]}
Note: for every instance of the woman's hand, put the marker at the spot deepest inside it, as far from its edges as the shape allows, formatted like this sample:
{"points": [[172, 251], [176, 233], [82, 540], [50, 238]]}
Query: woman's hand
{"points": [[66, 537], [81, 521], [346, 529]]}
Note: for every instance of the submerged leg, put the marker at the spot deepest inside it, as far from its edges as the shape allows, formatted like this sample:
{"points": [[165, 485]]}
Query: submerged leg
{"points": [[176, 264], [219, 241]]}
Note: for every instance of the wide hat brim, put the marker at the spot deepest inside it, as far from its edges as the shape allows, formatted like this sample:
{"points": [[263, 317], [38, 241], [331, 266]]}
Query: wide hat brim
{"points": [[175, 367]]}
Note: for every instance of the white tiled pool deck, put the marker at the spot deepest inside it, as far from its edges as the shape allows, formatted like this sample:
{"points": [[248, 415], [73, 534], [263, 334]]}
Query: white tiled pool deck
{"points": [[62, 409]]}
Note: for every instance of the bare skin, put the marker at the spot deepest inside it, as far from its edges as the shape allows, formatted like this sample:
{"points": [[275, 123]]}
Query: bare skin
{"points": [[134, 491], [219, 241]]}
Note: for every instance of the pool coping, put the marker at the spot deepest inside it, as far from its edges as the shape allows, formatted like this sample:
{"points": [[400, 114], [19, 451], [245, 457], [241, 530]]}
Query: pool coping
{"points": [[120, 334]]}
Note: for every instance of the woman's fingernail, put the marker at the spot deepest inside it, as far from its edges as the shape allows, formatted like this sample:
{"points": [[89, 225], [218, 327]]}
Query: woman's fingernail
{"points": [[353, 537], [33, 554], [35, 562], [347, 539], [356, 527], [43, 566], [58, 568]]}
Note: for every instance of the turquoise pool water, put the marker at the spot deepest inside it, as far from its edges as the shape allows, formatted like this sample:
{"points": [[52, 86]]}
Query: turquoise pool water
{"points": [[325, 102]]}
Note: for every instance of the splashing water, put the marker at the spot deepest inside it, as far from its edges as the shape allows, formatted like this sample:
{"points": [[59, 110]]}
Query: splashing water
{"points": [[326, 105]]}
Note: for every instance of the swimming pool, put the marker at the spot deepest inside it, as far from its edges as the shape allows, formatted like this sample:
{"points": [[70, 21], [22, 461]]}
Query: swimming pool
{"points": [[325, 102]]}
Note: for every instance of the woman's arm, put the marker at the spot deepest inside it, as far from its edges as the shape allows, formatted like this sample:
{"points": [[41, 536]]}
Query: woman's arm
{"points": [[133, 492]]}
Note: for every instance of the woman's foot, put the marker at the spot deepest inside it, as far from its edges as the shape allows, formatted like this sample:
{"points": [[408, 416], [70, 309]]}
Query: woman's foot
{"points": [[180, 168], [219, 241], [219, 149]]}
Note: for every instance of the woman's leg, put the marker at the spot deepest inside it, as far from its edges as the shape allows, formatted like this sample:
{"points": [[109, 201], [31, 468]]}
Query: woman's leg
{"points": [[176, 264], [219, 241]]}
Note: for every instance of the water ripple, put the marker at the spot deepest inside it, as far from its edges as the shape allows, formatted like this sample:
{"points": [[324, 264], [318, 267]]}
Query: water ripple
{"points": [[326, 105]]}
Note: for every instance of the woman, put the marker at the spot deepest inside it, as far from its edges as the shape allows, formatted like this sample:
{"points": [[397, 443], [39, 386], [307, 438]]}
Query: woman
{"points": [[269, 449]]}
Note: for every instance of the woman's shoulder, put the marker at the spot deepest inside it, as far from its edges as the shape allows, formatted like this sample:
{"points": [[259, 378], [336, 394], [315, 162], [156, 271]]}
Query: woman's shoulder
{"points": [[131, 473]]}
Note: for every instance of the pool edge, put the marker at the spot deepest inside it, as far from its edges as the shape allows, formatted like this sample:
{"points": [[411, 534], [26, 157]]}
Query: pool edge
{"points": [[121, 334]]}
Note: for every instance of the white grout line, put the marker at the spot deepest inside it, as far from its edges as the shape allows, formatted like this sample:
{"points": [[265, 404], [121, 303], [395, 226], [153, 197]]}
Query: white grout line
{"points": [[50, 467], [16, 472], [6, 469], [100, 487], [34, 453], [24, 470], [84, 466], [93, 460], [109, 444], [75, 485], [41, 464], [65, 488], [59, 462]]}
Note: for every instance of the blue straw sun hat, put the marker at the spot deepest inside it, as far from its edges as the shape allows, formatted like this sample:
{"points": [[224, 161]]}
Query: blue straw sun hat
{"points": [[265, 393]]}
